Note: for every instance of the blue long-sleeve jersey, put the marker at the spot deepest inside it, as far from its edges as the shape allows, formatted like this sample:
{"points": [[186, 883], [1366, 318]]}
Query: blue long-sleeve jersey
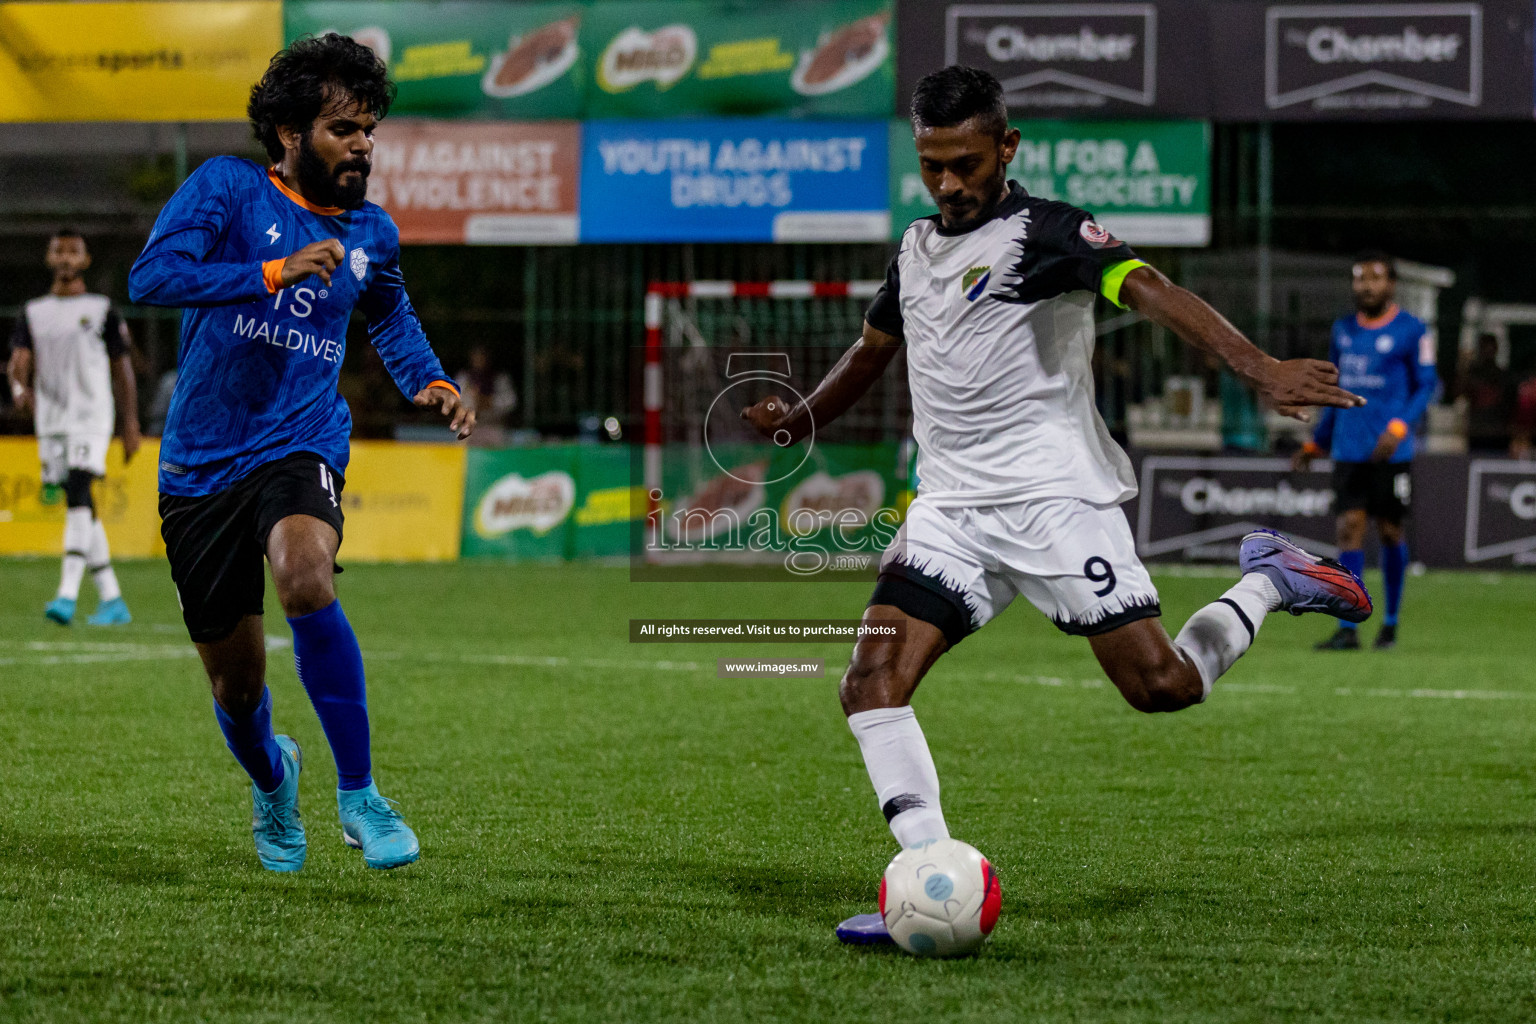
{"points": [[259, 362], [1390, 362]]}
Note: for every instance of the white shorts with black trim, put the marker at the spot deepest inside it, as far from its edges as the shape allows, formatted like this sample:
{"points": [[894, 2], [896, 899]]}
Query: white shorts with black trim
{"points": [[60, 453], [1074, 561]]}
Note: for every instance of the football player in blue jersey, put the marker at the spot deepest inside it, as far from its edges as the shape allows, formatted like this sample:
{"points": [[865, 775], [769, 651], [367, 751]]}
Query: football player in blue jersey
{"points": [[1387, 355], [269, 263]]}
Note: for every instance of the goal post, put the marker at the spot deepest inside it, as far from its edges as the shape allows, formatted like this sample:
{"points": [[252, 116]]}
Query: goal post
{"points": [[714, 491]]}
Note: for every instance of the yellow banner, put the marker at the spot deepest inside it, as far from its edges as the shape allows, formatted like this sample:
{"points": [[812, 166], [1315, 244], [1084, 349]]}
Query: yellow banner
{"points": [[32, 520], [177, 60], [403, 502]]}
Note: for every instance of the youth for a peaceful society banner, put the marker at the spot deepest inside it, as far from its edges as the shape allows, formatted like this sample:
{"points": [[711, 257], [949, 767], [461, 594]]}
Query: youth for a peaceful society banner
{"points": [[1148, 182], [499, 182], [734, 181]]}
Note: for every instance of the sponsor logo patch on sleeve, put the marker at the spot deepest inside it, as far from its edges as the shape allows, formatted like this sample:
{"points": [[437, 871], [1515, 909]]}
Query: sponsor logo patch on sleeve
{"points": [[1096, 236]]}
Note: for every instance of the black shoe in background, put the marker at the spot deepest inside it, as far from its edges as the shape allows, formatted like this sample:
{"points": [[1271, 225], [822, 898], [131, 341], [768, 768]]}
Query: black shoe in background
{"points": [[1386, 639], [1343, 640]]}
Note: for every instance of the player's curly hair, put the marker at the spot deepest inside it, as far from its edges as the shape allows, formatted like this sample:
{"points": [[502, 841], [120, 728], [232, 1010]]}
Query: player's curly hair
{"points": [[953, 95], [302, 78]]}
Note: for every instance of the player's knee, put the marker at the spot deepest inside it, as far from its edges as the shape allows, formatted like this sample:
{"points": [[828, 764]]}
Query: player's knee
{"points": [[304, 582], [1168, 683], [869, 686]]}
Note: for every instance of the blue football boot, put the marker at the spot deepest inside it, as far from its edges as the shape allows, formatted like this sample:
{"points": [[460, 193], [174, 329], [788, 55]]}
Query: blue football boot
{"points": [[1306, 582], [280, 842], [61, 610], [864, 930], [111, 613], [369, 822]]}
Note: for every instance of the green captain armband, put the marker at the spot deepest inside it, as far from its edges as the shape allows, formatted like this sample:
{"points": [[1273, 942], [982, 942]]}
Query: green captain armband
{"points": [[1114, 277]]}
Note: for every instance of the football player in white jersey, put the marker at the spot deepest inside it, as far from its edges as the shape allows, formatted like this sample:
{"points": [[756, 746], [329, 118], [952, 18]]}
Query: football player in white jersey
{"points": [[1020, 484], [69, 364]]}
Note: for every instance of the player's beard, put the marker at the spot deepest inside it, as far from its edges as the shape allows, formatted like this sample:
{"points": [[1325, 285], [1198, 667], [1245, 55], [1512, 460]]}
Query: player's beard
{"points": [[324, 183]]}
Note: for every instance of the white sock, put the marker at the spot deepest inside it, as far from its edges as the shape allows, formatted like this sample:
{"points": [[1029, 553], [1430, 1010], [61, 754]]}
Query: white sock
{"points": [[1221, 632], [101, 564], [77, 546], [906, 782]]}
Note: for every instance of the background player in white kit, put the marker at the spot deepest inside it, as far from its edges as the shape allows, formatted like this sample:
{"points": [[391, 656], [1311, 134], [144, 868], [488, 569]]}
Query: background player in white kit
{"points": [[69, 364], [1020, 484]]}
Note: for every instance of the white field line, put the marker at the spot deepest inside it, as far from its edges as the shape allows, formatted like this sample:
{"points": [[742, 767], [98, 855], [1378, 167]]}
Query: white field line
{"points": [[67, 652]]}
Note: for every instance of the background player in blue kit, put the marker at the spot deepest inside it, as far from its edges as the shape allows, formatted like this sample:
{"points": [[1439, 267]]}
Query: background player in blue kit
{"points": [[269, 264], [1388, 356]]}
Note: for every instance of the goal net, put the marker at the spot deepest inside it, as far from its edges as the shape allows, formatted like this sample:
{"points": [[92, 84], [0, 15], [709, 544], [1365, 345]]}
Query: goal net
{"points": [[717, 493]]}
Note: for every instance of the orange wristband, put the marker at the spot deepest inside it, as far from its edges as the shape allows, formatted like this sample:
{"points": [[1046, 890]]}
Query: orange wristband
{"points": [[1398, 429], [1311, 448], [272, 274], [443, 384]]}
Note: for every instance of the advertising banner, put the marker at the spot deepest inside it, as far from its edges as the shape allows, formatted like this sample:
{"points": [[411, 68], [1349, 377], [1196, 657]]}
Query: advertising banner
{"points": [[1201, 507], [606, 503], [127, 500], [1370, 61], [1148, 182], [159, 61], [403, 502], [734, 181], [463, 58], [518, 503], [1501, 512], [1065, 59], [670, 58], [478, 181]]}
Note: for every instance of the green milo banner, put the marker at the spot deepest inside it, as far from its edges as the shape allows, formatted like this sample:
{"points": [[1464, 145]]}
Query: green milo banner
{"points": [[671, 58], [1148, 182], [556, 502], [463, 58], [622, 58]]}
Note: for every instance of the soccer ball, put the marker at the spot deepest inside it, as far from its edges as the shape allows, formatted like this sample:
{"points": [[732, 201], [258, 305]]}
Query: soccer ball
{"points": [[940, 898]]}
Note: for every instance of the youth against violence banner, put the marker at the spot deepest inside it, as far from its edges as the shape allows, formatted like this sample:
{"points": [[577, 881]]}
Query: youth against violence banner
{"points": [[1148, 182], [478, 181], [623, 58]]}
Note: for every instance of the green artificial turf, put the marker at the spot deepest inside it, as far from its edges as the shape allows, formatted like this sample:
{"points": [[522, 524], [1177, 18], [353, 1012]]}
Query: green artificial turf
{"points": [[610, 833]]}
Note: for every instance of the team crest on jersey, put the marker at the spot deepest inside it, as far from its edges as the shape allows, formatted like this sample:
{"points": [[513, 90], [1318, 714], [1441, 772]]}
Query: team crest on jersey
{"points": [[1384, 344], [359, 263], [974, 282], [1096, 236]]}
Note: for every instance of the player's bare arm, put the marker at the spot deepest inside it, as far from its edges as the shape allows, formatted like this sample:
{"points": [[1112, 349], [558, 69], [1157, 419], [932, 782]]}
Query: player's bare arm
{"points": [[461, 418], [1292, 386], [843, 385], [19, 370], [125, 393]]}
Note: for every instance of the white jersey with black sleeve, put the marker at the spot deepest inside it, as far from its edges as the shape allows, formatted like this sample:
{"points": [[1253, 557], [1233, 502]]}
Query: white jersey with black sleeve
{"points": [[73, 339], [999, 327]]}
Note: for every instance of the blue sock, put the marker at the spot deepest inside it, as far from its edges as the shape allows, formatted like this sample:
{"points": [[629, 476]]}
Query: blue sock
{"points": [[252, 743], [1354, 561], [1394, 564], [330, 666]]}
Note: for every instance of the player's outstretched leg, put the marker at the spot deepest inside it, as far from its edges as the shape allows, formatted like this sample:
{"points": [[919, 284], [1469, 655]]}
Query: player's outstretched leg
{"points": [[242, 703], [302, 550], [875, 692], [1156, 675], [111, 609]]}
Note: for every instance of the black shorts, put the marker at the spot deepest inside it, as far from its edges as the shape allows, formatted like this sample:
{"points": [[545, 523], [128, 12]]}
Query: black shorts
{"points": [[216, 543], [1382, 489]]}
